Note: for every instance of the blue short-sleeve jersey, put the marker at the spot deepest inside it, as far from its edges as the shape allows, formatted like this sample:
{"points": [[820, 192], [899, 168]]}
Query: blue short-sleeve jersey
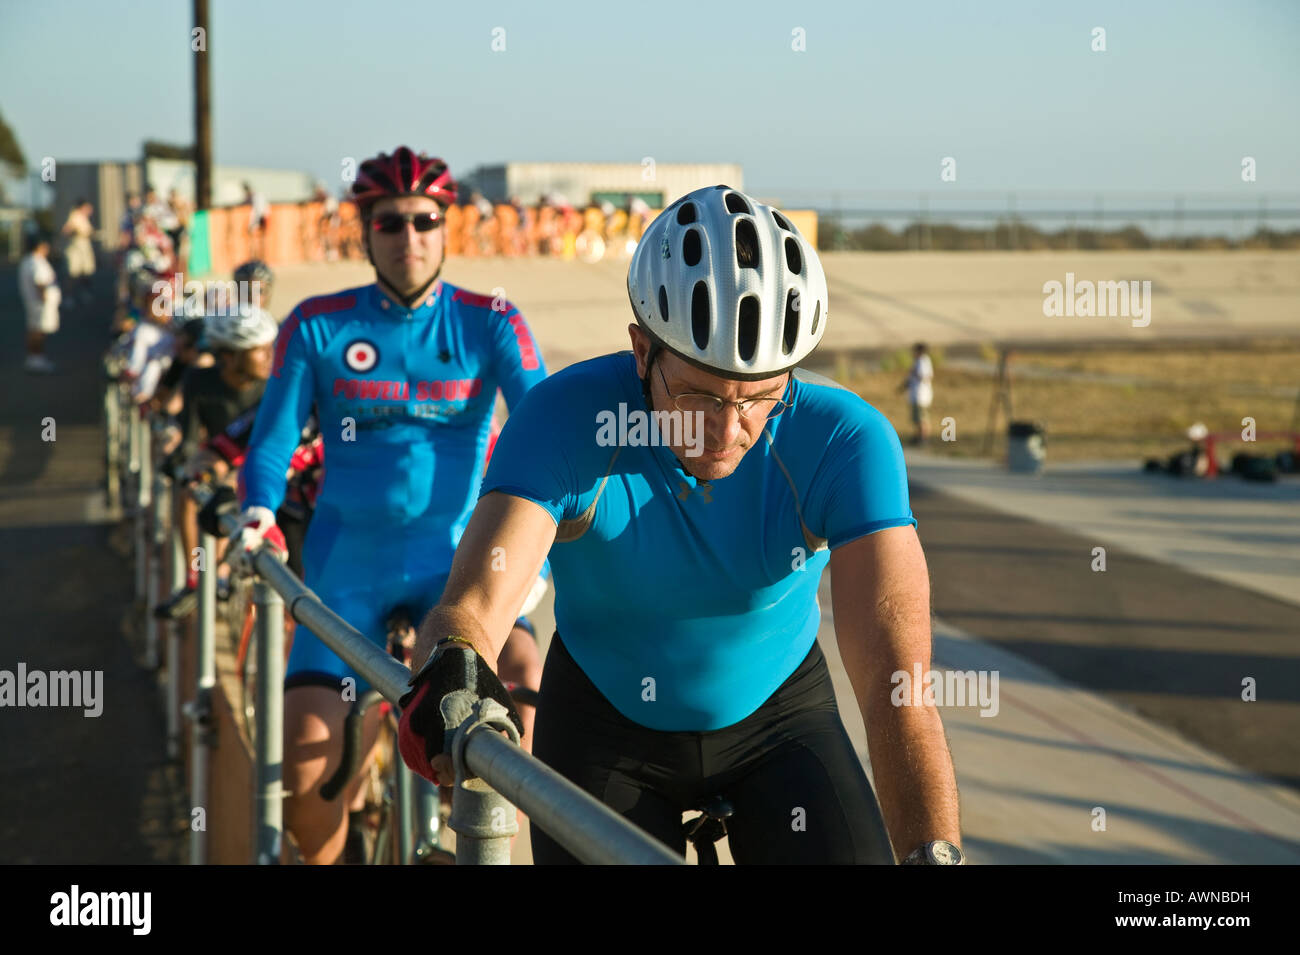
{"points": [[404, 400], [688, 603]]}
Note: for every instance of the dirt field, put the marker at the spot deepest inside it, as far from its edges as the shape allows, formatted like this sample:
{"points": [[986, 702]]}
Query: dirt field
{"points": [[1104, 403]]}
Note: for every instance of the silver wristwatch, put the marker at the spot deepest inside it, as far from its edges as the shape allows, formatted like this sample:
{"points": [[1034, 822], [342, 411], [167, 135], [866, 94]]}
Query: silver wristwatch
{"points": [[939, 852]]}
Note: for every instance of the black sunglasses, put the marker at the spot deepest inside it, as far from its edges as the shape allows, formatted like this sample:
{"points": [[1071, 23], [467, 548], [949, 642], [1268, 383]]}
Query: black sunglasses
{"points": [[390, 223]]}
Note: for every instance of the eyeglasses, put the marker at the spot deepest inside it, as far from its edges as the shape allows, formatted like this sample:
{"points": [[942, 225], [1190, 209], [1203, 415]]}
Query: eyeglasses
{"points": [[711, 404], [391, 223]]}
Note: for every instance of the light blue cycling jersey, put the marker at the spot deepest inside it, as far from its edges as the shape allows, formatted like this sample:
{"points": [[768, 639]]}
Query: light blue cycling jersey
{"points": [[688, 603], [404, 400]]}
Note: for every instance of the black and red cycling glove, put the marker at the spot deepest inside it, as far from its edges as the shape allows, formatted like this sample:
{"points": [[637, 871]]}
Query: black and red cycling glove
{"points": [[454, 665]]}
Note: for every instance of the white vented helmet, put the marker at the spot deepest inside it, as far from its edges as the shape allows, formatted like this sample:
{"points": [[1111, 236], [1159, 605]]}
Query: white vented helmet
{"points": [[247, 328], [692, 295]]}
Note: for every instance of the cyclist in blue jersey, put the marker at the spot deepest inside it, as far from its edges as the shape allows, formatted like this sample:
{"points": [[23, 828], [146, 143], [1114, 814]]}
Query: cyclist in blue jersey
{"points": [[690, 494], [404, 375]]}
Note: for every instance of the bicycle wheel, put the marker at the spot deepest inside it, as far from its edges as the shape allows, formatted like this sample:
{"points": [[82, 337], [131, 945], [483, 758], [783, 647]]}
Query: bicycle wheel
{"points": [[235, 609]]}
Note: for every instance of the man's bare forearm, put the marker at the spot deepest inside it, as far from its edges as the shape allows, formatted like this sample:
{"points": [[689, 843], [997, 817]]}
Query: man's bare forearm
{"points": [[496, 562], [453, 620], [914, 775]]}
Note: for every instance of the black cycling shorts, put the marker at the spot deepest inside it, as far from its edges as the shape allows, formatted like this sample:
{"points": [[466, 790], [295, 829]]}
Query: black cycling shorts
{"points": [[799, 792], [293, 522]]}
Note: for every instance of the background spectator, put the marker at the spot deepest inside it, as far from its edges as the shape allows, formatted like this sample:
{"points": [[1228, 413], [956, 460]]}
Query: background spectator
{"points": [[259, 216], [177, 227], [77, 232], [126, 228], [40, 294], [920, 392]]}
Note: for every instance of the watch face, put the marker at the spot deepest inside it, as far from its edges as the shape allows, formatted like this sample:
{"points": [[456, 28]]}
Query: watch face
{"points": [[944, 853]]}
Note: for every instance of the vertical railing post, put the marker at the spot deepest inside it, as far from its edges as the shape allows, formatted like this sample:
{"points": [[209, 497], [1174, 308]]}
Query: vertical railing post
{"points": [[483, 820], [269, 815], [113, 446], [428, 817], [156, 536], [132, 439], [137, 499], [200, 710], [175, 579], [145, 540], [406, 813]]}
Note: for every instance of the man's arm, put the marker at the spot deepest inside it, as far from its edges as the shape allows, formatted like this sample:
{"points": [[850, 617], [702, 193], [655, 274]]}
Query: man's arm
{"points": [[881, 592], [518, 359], [496, 562], [283, 410]]}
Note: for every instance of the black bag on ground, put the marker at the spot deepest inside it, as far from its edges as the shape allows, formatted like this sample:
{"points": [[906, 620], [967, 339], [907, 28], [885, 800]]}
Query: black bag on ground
{"points": [[1254, 467]]}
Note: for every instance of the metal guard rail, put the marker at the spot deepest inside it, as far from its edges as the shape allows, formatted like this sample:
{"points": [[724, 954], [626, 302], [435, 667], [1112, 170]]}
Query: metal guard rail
{"points": [[592, 831]]}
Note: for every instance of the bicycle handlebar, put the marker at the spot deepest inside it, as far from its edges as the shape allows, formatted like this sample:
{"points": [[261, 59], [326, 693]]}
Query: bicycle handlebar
{"points": [[354, 726], [353, 729]]}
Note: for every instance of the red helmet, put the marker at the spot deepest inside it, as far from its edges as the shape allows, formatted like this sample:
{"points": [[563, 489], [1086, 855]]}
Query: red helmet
{"points": [[403, 174]]}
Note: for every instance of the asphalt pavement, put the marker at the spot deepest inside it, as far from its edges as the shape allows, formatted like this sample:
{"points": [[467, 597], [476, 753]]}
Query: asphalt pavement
{"points": [[73, 788]]}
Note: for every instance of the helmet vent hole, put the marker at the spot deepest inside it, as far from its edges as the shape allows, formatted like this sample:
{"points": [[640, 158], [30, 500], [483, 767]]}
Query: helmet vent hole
{"points": [[735, 203], [791, 330], [817, 317], [663, 303], [691, 248], [686, 214], [747, 332], [746, 244], [780, 221], [700, 310], [793, 257]]}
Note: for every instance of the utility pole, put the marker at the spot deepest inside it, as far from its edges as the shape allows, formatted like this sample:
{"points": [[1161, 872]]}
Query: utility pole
{"points": [[202, 119]]}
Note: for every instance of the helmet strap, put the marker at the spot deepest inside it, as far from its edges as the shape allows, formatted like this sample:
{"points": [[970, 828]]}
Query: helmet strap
{"points": [[650, 357], [407, 300], [387, 286]]}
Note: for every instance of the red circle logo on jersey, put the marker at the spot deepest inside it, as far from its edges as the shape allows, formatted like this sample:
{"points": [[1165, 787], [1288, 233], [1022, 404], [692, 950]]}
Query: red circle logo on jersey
{"points": [[361, 355]]}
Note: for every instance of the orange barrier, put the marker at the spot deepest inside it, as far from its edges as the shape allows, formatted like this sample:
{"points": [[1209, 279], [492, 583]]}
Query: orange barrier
{"points": [[295, 232], [302, 232]]}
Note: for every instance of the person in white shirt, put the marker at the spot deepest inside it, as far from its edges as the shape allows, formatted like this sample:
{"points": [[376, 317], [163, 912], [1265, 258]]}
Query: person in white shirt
{"points": [[80, 252], [41, 297], [163, 215], [259, 216], [920, 392], [152, 346]]}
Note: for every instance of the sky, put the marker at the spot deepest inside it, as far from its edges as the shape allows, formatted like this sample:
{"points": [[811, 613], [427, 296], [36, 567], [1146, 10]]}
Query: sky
{"points": [[882, 93]]}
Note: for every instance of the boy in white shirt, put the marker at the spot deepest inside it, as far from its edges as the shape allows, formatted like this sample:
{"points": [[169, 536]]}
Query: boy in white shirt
{"points": [[41, 297], [920, 392]]}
